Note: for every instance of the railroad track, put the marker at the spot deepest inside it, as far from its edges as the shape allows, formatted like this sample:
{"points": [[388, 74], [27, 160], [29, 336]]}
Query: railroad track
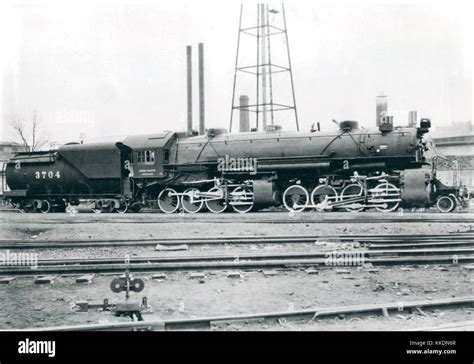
{"points": [[390, 239], [308, 315], [317, 219], [321, 260]]}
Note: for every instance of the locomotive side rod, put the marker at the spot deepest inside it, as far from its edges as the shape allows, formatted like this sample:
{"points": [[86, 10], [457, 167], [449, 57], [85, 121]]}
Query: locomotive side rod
{"points": [[352, 203]]}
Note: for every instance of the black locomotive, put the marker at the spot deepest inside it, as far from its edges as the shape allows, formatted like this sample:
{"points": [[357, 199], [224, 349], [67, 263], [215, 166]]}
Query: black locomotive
{"points": [[350, 169]]}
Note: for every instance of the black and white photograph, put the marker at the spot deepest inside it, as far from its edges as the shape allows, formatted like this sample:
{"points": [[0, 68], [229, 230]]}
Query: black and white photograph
{"points": [[236, 169]]}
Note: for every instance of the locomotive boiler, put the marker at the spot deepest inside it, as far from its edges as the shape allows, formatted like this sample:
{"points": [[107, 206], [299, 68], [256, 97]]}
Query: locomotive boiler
{"points": [[349, 169]]}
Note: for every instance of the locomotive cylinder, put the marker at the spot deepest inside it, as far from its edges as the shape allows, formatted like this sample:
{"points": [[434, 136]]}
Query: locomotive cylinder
{"points": [[264, 193], [416, 187]]}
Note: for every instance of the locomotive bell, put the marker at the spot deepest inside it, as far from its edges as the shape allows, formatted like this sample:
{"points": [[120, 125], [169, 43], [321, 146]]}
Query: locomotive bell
{"points": [[348, 125]]}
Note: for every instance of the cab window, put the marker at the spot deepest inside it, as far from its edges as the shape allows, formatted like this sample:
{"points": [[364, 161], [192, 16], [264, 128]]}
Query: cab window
{"points": [[146, 157]]}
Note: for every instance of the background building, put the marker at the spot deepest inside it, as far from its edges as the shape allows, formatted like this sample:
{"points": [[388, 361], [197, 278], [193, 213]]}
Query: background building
{"points": [[456, 143]]}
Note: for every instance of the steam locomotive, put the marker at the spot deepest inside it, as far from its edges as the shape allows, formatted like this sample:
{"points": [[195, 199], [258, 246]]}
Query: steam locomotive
{"points": [[350, 169]]}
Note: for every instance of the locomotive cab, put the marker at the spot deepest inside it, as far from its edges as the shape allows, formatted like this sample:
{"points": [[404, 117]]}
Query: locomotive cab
{"points": [[147, 154]]}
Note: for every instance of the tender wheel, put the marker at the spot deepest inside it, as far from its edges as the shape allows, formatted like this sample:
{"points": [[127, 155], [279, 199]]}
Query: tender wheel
{"points": [[45, 206], [351, 192], [123, 207], [322, 195], [446, 204], [216, 204], [20, 206], [135, 207], [105, 206], [242, 198], [387, 192], [30, 206], [59, 206], [295, 195], [168, 201], [196, 204]]}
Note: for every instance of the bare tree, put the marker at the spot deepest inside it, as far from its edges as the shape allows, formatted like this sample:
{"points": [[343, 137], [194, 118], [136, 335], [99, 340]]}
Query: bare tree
{"points": [[23, 129]]}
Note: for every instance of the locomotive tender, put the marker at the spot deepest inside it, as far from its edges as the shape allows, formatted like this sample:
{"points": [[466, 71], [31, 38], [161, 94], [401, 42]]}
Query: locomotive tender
{"points": [[350, 169]]}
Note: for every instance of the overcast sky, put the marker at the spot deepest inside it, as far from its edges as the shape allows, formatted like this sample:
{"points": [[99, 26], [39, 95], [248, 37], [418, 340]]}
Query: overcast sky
{"points": [[118, 68]]}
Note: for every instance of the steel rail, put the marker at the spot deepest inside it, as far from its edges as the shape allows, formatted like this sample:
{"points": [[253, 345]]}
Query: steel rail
{"points": [[233, 257], [435, 244], [373, 239], [214, 322], [169, 219], [240, 263]]}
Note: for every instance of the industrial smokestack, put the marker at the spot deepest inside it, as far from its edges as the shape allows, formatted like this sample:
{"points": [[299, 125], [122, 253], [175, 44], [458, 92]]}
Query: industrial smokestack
{"points": [[189, 69], [381, 108], [201, 89], [412, 119], [244, 113]]}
